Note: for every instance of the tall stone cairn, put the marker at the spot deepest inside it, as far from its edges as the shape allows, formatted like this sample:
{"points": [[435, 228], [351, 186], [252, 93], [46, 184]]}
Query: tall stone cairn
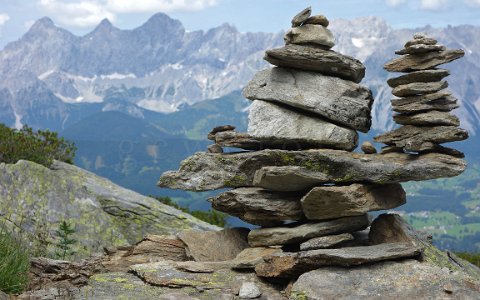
{"points": [[299, 180], [423, 105]]}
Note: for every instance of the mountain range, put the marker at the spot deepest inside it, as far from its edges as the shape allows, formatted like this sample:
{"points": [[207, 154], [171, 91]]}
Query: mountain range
{"points": [[136, 102]]}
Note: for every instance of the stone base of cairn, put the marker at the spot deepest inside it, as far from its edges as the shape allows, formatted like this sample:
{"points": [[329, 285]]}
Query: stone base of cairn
{"points": [[300, 182]]}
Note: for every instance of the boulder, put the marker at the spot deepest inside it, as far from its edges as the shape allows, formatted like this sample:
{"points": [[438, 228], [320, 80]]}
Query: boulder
{"points": [[215, 148], [419, 76], [301, 17], [260, 207], [413, 138], [300, 170], [424, 61], [250, 257], [317, 60], [268, 121], [291, 265], [329, 202], [419, 88], [249, 290], [168, 247], [407, 279], [310, 34], [368, 148], [204, 246], [318, 20], [341, 101], [40, 198], [420, 48], [324, 242], [299, 233], [431, 118]]}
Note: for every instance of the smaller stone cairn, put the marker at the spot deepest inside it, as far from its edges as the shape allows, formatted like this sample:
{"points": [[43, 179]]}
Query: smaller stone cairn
{"points": [[424, 102], [299, 179]]}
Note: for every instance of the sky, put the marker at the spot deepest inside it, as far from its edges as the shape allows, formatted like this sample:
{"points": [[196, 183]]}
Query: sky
{"points": [[81, 16]]}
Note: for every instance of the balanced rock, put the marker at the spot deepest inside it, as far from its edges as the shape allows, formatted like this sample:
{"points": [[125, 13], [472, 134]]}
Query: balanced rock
{"points": [[420, 38], [299, 233], [215, 148], [300, 170], [211, 135], [328, 202], [448, 103], [419, 88], [422, 98], [260, 207], [310, 34], [301, 17], [348, 103], [250, 257], [420, 48], [368, 148], [424, 61], [419, 76], [413, 138], [291, 265], [431, 118], [269, 121], [318, 20], [317, 60], [324, 242]]}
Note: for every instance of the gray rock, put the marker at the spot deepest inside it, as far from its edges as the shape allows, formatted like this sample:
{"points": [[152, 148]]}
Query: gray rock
{"points": [[419, 88], [39, 199], [291, 265], [324, 242], [215, 148], [250, 257], [444, 150], [318, 20], [301, 17], [249, 290], [268, 121], [448, 103], [420, 48], [260, 207], [203, 246], [407, 279], [299, 233], [317, 60], [329, 202], [419, 76], [4, 296], [441, 95], [412, 138], [368, 148], [211, 135], [310, 34], [431, 118], [421, 39], [424, 61], [391, 149], [335, 99], [300, 170]]}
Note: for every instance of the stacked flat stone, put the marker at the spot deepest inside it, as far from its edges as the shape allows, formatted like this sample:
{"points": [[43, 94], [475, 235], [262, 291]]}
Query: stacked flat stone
{"points": [[424, 103], [301, 183]]}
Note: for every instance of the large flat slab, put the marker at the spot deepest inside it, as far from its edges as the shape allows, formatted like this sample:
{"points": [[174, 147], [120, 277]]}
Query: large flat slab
{"points": [[329, 202], [419, 88], [300, 170], [419, 76], [340, 101], [430, 118], [271, 122], [317, 60], [417, 62], [259, 206], [291, 265], [276, 236]]}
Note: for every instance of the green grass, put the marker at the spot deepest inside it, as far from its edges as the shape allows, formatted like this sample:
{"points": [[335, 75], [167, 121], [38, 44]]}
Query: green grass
{"points": [[14, 264], [473, 258]]}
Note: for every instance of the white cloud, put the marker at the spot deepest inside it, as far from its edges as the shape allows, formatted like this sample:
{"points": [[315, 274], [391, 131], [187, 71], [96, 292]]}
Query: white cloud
{"points": [[474, 3], [433, 4], [85, 13], [79, 13], [128, 6], [395, 2], [4, 19]]}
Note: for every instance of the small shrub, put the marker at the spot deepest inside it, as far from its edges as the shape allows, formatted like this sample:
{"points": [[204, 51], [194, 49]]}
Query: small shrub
{"points": [[64, 233], [14, 264], [473, 258], [212, 216], [42, 146]]}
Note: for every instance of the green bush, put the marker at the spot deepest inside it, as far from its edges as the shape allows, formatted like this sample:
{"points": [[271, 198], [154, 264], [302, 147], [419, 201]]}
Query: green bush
{"points": [[42, 146], [14, 264], [473, 258], [212, 216]]}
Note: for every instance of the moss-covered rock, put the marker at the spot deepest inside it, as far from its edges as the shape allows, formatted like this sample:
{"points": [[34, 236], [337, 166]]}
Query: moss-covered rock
{"points": [[35, 199]]}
